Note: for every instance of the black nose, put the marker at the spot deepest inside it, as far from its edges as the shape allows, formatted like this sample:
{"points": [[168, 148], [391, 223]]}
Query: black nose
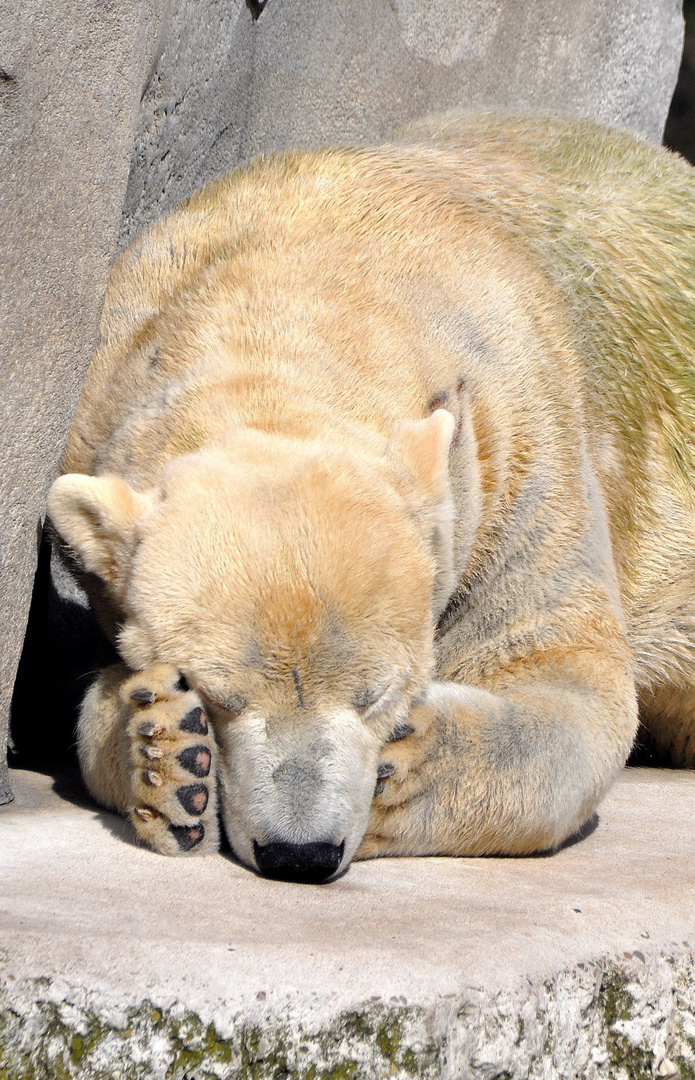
{"points": [[309, 863]]}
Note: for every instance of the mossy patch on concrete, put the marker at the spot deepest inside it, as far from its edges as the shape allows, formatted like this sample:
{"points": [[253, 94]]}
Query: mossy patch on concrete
{"points": [[606, 1020], [177, 1045], [616, 1004]]}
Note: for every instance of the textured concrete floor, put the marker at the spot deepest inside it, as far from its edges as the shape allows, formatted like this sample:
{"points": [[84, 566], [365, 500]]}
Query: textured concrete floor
{"points": [[107, 925]]}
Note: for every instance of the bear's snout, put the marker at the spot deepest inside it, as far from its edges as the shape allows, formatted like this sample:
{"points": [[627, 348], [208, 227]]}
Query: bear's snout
{"points": [[296, 796], [307, 863]]}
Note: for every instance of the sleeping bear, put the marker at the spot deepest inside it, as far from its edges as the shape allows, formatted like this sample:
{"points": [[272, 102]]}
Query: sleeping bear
{"points": [[383, 483]]}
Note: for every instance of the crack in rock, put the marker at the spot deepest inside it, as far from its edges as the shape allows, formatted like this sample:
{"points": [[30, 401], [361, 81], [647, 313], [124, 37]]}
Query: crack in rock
{"points": [[256, 8]]}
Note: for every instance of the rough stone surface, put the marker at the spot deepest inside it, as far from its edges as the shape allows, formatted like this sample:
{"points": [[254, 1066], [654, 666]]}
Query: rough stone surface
{"points": [[71, 81], [219, 86], [115, 961], [305, 72]]}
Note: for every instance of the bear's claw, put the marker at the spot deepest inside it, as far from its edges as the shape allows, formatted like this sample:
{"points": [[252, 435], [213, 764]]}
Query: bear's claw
{"points": [[149, 730], [151, 752], [401, 731], [142, 696]]}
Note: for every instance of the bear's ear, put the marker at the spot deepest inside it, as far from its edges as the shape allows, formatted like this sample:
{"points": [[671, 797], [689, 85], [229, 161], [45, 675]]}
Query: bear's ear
{"points": [[423, 447], [97, 516]]}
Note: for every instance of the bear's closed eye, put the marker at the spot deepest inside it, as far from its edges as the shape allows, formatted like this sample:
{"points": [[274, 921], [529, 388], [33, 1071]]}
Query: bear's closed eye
{"points": [[369, 696]]}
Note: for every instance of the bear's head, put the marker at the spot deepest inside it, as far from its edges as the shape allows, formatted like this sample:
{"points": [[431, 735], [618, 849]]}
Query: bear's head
{"points": [[296, 587]]}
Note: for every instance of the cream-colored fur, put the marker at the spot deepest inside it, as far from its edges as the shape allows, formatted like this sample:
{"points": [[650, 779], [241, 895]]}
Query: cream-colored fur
{"points": [[388, 453]]}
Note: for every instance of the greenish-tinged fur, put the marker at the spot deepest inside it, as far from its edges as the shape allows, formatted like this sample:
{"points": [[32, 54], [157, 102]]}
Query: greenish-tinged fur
{"points": [[616, 233]]}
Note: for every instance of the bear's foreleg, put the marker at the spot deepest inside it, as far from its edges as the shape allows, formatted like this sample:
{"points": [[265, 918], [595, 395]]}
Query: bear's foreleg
{"points": [[512, 767], [146, 749]]}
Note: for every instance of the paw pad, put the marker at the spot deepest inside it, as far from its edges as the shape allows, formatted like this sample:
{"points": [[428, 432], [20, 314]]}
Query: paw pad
{"points": [[195, 722], [187, 836], [173, 782], [196, 759], [193, 798]]}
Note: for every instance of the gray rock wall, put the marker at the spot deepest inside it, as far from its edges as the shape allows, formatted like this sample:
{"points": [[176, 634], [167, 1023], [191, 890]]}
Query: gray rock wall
{"points": [[73, 76], [227, 87], [112, 111]]}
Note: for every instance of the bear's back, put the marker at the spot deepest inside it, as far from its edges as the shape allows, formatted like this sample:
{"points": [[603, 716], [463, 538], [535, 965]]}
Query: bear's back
{"points": [[609, 219], [612, 220]]}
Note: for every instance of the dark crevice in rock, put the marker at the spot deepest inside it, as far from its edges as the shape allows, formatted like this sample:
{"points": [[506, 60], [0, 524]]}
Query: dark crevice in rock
{"points": [[679, 133], [256, 8]]}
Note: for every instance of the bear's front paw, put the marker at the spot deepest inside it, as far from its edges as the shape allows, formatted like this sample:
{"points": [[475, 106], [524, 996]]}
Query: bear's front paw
{"points": [[174, 767], [401, 784]]}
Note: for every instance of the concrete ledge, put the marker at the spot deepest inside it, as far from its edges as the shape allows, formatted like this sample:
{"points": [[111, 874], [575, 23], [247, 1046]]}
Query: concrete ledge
{"points": [[116, 962]]}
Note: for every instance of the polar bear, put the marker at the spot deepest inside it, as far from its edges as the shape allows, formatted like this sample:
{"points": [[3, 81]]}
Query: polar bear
{"points": [[383, 483]]}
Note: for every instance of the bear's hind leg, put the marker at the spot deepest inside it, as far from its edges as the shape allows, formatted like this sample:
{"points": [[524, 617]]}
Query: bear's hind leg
{"points": [[146, 750]]}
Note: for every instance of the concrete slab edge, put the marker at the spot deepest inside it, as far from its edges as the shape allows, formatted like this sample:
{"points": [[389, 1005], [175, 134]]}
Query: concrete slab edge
{"points": [[631, 1016]]}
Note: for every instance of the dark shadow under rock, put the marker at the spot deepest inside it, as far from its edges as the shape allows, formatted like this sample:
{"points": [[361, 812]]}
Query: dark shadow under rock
{"points": [[64, 648]]}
